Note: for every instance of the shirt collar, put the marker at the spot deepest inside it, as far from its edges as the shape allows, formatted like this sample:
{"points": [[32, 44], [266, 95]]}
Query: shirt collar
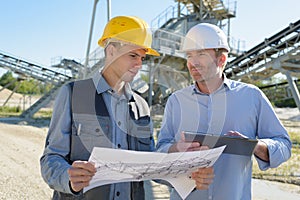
{"points": [[128, 91], [100, 83], [102, 86], [226, 83]]}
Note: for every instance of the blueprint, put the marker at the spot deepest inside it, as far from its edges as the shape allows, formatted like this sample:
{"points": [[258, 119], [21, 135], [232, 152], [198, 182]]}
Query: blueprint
{"points": [[115, 165]]}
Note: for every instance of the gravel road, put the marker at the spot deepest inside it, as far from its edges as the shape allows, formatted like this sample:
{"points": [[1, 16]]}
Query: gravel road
{"points": [[22, 145]]}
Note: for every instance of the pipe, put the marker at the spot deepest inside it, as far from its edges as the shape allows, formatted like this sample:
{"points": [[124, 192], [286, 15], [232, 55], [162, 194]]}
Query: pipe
{"points": [[89, 40]]}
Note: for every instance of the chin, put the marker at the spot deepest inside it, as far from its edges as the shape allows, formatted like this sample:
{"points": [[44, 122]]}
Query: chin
{"points": [[128, 80], [198, 78]]}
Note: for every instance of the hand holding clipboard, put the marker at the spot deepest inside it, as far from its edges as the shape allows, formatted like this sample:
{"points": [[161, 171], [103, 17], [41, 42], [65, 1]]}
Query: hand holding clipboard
{"points": [[234, 145]]}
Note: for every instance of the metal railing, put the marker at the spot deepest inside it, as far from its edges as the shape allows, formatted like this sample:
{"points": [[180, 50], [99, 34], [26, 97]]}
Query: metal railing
{"points": [[38, 72], [282, 43]]}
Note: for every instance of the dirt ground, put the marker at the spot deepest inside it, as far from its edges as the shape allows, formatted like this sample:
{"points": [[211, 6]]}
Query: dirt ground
{"points": [[16, 99], [21, 146]]}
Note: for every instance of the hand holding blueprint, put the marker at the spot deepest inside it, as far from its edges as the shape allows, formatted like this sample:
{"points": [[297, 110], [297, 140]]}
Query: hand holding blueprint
{"points": [[114, 165]]}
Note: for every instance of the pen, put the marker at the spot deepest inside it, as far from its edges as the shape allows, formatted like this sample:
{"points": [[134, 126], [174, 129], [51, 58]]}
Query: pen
{"points": [[79, 129]]}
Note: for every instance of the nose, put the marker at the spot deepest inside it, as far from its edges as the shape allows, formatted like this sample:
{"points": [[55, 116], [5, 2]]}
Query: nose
{"points": [[139, 63], [193, 62]]}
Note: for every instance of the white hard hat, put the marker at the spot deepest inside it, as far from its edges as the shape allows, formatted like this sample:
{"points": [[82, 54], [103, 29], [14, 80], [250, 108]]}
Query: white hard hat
{"points": [[205, 36]]}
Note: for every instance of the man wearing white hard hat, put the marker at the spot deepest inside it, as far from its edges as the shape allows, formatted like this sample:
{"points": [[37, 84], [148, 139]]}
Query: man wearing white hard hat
{"points": [[217, 105]]}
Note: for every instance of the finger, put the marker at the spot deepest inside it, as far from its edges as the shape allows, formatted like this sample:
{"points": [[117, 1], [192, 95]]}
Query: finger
{"points": [[84, 165], [182, 138], [202, 183], [232, 133], [206, 173], [76, 179], [193, 144], [75, 171], [79, 172], [198, 148], [201, 186], [204, 170], [203, 179], [235, 133], [77, 186], [79, 178], [187, 146], [72, 171]]}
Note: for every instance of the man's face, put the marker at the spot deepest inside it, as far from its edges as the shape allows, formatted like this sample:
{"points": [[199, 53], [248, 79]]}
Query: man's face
{"points": [[203, 65], [126, 61]]}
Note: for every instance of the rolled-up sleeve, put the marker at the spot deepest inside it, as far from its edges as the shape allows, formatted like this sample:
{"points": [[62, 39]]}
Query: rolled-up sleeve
{"points": [[54, 161], [274, 135], [279, 151]]}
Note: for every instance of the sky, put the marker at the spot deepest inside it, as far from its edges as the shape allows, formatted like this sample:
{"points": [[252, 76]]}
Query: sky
{"points": [[43, 31]]}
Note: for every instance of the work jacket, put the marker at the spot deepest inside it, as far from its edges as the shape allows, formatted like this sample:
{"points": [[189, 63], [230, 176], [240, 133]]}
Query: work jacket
{"points": [[91, 127]]}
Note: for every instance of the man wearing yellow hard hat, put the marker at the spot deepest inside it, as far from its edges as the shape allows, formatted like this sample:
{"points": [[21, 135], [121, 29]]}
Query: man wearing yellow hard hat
{"points": [[101, 111]]}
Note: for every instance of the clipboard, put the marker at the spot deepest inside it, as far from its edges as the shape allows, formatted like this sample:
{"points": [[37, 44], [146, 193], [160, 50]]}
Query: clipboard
{"points": [[234, 145]]}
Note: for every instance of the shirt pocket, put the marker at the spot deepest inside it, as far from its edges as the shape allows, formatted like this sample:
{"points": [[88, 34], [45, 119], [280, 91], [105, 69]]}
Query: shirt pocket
{"points": [[142, 130], [90, 131], [144, 144]]}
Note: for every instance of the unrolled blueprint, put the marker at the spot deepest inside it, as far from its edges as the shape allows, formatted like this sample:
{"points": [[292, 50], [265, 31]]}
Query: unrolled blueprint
{"points": [[115, 165]]}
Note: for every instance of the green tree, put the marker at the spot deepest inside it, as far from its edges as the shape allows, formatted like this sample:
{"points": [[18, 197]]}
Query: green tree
{"points": [[8, 78], [27, 86]]}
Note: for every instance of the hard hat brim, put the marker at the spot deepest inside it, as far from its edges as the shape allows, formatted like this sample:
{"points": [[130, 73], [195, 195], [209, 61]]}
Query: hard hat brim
{"points": [[199, 49], [149, 51], [152, 52]]}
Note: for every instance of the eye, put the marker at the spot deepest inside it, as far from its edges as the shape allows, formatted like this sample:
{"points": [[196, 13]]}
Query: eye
{"points": [[136, 56], [133, 55], [200, 54], [188, 56]]}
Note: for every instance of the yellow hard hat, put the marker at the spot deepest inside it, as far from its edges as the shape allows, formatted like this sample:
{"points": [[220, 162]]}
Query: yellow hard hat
{"points": [[129, 29]]}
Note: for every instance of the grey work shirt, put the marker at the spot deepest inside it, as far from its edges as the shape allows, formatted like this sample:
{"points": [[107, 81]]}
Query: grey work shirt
{"points": [[54, 163]]}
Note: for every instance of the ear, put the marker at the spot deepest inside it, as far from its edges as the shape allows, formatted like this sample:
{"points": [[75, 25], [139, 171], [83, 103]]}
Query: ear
{"points": [[110, 50], [222, 60]]}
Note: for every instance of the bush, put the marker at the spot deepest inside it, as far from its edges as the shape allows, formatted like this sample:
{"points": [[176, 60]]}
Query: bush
{"points": [[8, 109], [285, 103]]}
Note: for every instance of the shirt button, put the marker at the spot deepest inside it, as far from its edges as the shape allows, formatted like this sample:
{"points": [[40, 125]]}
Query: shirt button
{"points": [[97, 130], [119, 146], [118, 193], [119, 123]]}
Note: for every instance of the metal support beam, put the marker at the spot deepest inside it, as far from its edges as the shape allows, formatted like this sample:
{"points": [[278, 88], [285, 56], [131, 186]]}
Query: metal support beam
{"points": [[178, 9], [293, 87], [89, 40], [151, 79], [14, 90], [8, 84], [200, 10], [108, 10], [152, 69]]}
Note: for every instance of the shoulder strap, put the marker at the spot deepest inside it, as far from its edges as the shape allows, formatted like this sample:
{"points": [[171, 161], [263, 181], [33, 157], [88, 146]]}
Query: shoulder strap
{"points": [[86, 100]]}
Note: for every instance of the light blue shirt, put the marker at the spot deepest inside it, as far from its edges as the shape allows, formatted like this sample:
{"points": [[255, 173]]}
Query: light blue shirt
{"points": [[235, 106]]}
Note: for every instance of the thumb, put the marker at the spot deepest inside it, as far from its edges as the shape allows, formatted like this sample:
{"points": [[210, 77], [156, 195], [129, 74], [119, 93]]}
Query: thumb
{"points": [[182, 138]]}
